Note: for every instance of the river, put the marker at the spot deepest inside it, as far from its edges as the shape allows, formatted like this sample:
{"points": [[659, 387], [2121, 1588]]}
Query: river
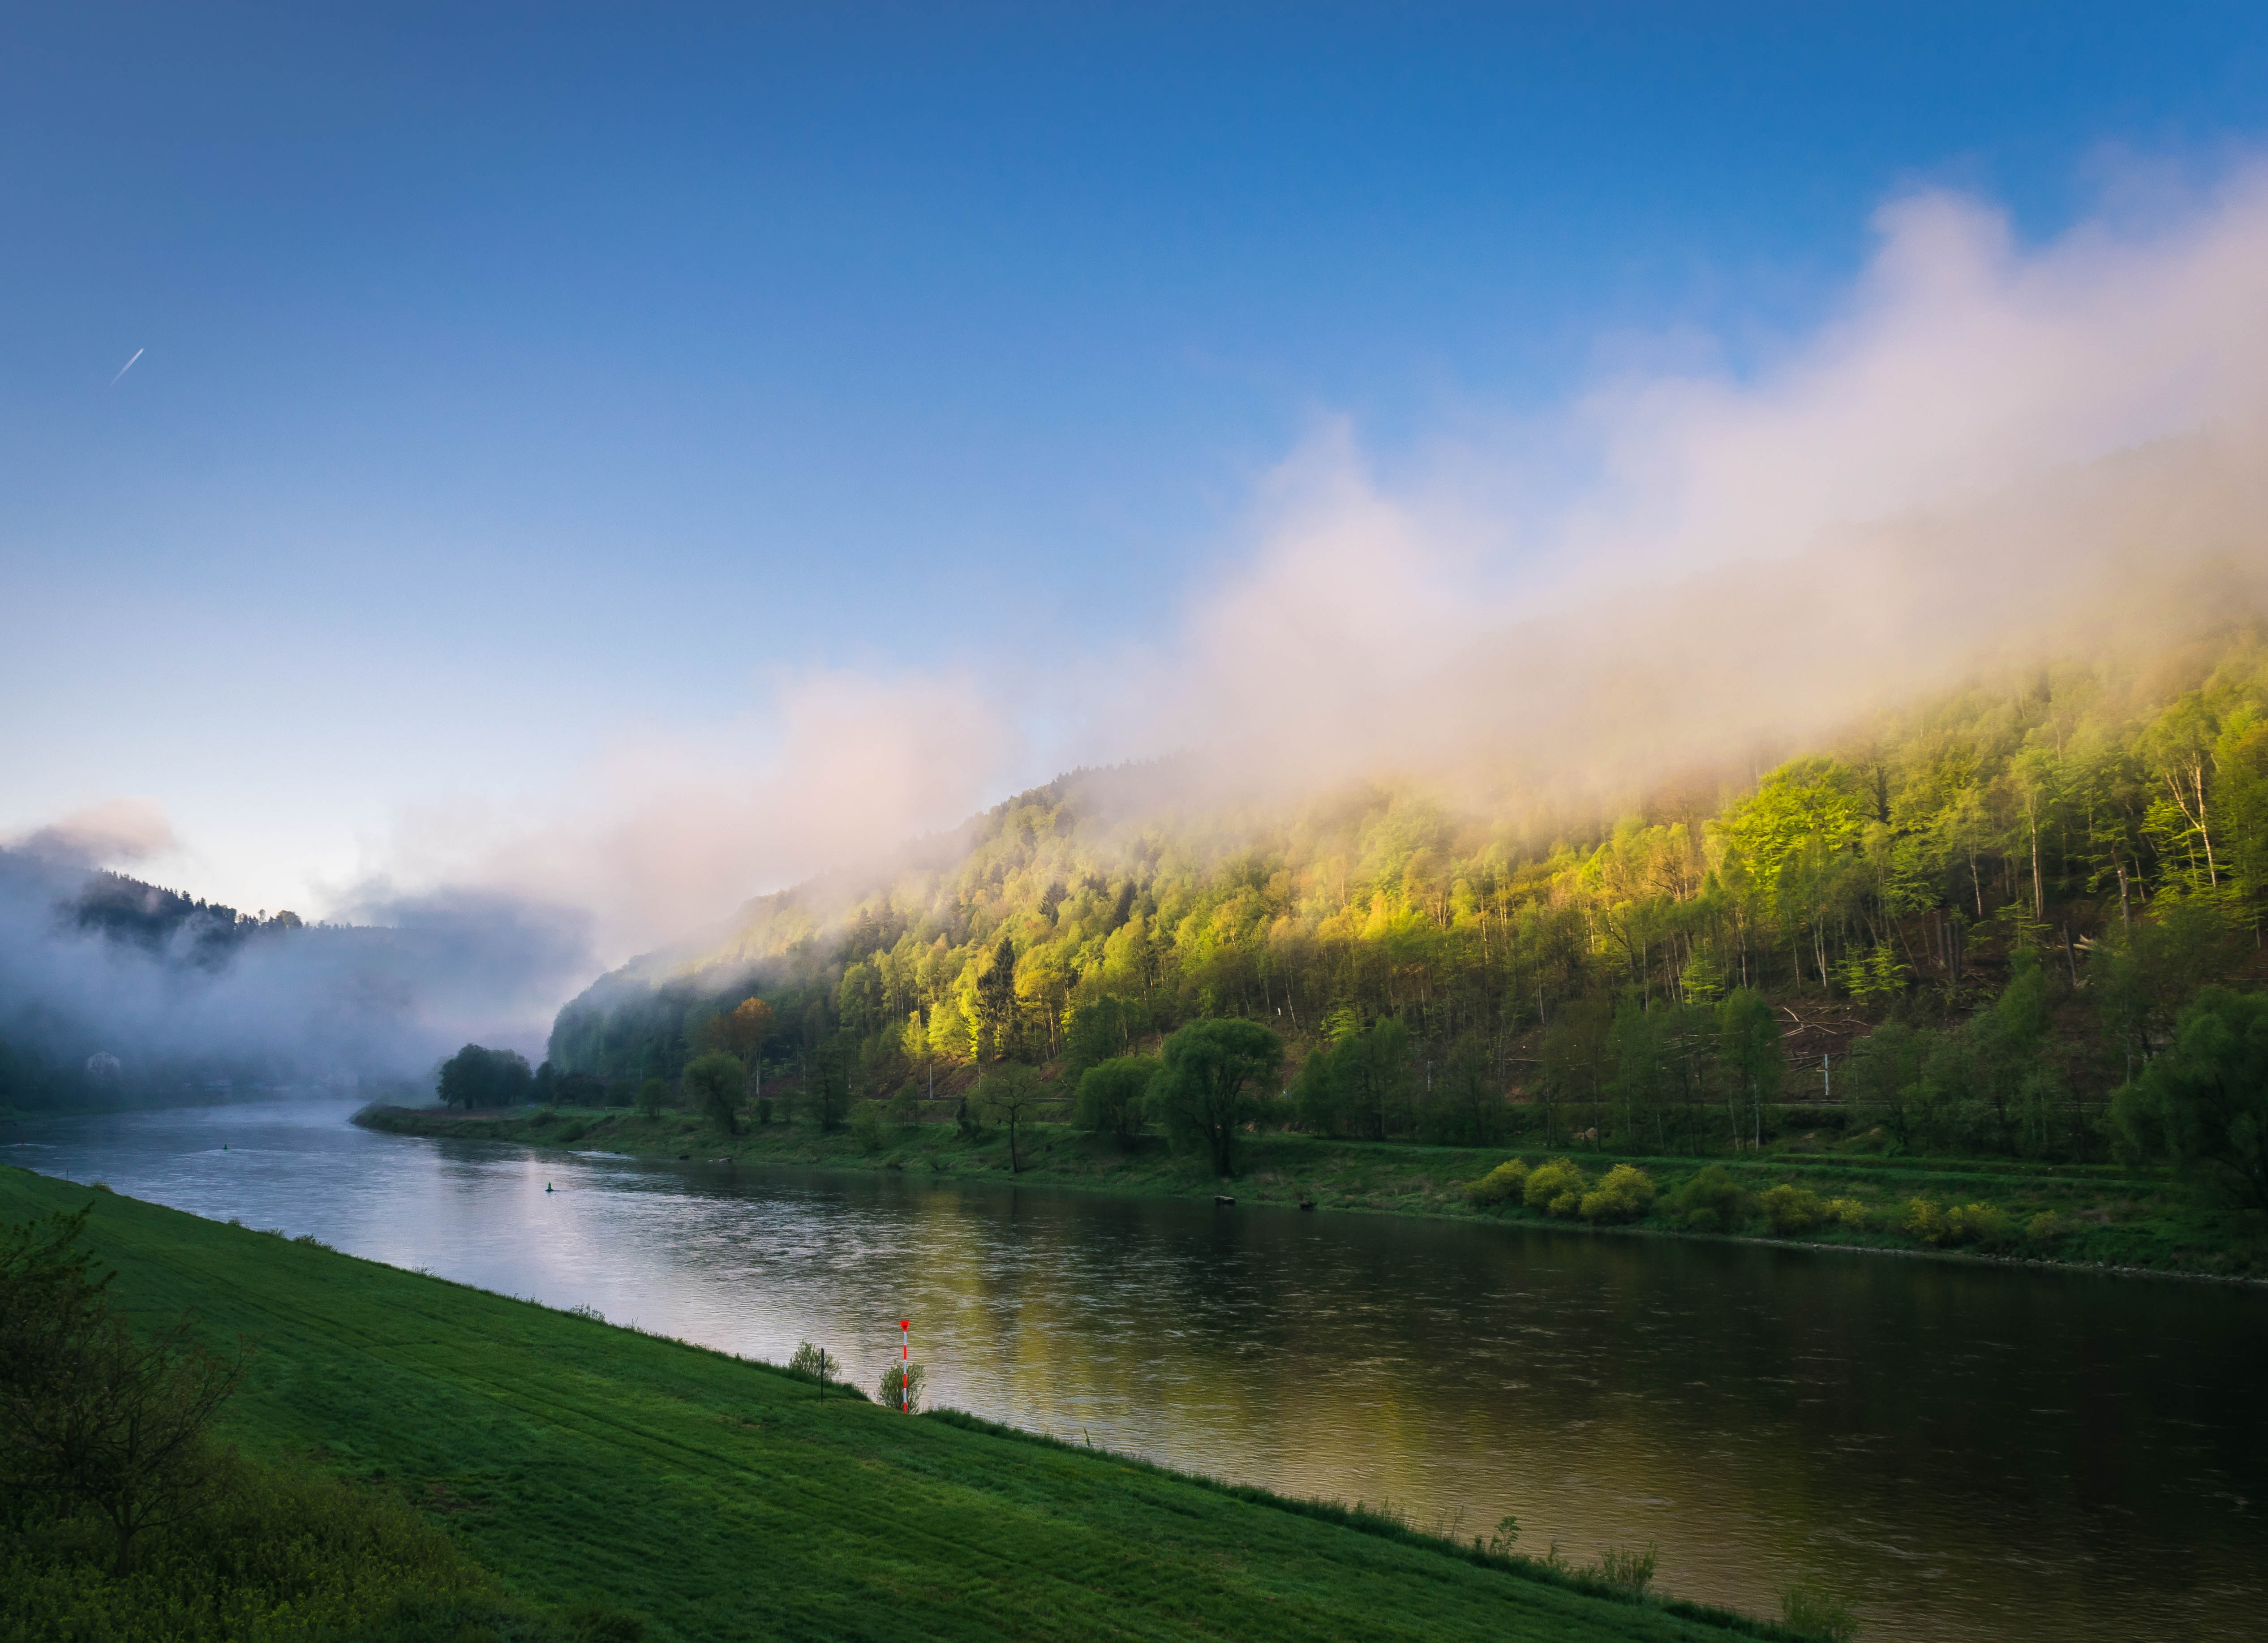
{"points": [[1961, 1451]]}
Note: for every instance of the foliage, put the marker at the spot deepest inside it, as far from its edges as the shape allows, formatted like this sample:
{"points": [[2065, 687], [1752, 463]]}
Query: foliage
{"points": [[715, 1082], [2204, 1101], [870, 1123], [1811, 1611], [1556, 1187], [742, 1030], [1789, 1210], [1111, 1094], [1625, 1195], [1711, 1201], [1628, 1568], [1507, 1180], [1204, 1091], [653, 1095], [902, 1388], [478, 1077], [2019, 885], [96, 1416], [277, 1555]]}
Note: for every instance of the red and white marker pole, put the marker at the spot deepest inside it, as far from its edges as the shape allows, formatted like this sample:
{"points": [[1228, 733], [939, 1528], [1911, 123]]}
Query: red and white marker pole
{"points": [[905, 1362]]}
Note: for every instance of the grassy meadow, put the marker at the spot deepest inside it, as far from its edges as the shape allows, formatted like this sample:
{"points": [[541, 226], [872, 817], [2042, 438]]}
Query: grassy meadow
{"points": [[715, 1497]]}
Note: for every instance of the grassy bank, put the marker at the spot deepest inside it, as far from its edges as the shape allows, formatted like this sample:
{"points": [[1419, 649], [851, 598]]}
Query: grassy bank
{"points": [[717, 1499], [2090, 1215]]}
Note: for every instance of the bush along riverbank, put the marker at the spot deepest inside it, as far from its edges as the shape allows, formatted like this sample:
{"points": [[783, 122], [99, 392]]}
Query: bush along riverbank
{"points": [[1809, 1188], [396, 1457]]}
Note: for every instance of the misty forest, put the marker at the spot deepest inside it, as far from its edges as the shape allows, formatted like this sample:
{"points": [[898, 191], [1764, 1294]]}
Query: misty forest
{"points": [[1965, 927]]}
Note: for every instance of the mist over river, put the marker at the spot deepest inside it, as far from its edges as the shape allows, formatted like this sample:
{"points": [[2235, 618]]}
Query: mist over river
{"points": [[1963, 1451]]}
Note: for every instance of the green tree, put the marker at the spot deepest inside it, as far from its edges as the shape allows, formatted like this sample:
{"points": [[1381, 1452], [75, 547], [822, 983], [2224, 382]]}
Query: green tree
{"points": [[1111, 1093], [91, 1414], [1747, 1029], [653, 1095], [715, 1082], [1010, 1097], [480, 1077], [1098, 1031], [1204, 1088], [2204, 1101]]}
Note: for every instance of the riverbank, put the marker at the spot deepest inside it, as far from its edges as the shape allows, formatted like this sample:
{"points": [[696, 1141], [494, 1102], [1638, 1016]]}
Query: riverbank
{"points": [[2092, 1216], [717, 1497]]}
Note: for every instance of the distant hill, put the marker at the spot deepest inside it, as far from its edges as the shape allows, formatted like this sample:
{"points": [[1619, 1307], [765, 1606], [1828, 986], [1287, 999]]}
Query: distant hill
{"points": [[116, 992], [2065, 813]]}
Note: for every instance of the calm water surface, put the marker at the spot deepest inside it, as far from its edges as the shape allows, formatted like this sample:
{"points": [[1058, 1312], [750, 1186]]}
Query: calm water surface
{"points": [[1964, 1452]]}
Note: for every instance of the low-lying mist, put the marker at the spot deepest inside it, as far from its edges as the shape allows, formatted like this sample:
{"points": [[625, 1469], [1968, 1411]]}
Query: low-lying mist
{"points": [[112, 989]]}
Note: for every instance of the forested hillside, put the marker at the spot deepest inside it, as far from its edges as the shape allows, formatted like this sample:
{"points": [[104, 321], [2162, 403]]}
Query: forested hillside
{"points": [[1968, 922]]}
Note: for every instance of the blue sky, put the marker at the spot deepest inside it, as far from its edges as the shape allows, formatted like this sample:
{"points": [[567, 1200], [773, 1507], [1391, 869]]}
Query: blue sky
{"points": [[520, 380]]}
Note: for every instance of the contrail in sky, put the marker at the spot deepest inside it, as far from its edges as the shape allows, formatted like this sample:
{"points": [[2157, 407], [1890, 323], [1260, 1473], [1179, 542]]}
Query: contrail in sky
{"points": [[128, 366]]}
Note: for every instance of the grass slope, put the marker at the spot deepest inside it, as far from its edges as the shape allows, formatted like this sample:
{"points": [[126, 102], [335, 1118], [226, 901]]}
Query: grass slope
{"points": [[720, 1500], [2105, 1215]]}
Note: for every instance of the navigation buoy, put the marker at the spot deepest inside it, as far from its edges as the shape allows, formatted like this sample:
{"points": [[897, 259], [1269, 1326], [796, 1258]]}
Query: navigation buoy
{"points": [[547, 1186]]}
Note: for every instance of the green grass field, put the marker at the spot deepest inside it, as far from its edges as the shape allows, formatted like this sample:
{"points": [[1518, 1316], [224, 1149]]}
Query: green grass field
{"points": [[718, 1498], [2101, 1214]]}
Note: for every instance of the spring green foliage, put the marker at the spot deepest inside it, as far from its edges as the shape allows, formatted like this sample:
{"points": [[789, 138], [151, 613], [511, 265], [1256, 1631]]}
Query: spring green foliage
{"points": [[587, 1464], [1556, 1187], [1208, 1085], [2021, 884], [1111, 1094], [1625, 1195], [1507, 1182]]}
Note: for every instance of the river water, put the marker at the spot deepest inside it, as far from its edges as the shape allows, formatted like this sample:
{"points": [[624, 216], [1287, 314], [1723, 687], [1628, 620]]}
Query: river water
{"points": [[1962, 1452]]}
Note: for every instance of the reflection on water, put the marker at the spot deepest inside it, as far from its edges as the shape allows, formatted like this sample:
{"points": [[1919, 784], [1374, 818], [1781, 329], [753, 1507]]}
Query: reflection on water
{"points": [[1965, 1452]]}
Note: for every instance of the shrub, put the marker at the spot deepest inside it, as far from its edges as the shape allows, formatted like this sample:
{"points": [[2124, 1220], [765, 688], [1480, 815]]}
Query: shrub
{"points": [[1110, 1094], [1789, 1209], [574, 1131], [1985, 1225], [1556, 1187], [1626, 1194], [1847, 1212], [2044, 1227], [1507, 1180], [902, 1379], [1806, 1609], [1923, 1220], [1628, 1568], [869, 1127], [1711, 1201]]}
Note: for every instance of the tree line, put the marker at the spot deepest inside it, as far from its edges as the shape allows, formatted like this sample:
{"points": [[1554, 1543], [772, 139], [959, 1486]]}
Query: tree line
{"points": [[2018, 888]]}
